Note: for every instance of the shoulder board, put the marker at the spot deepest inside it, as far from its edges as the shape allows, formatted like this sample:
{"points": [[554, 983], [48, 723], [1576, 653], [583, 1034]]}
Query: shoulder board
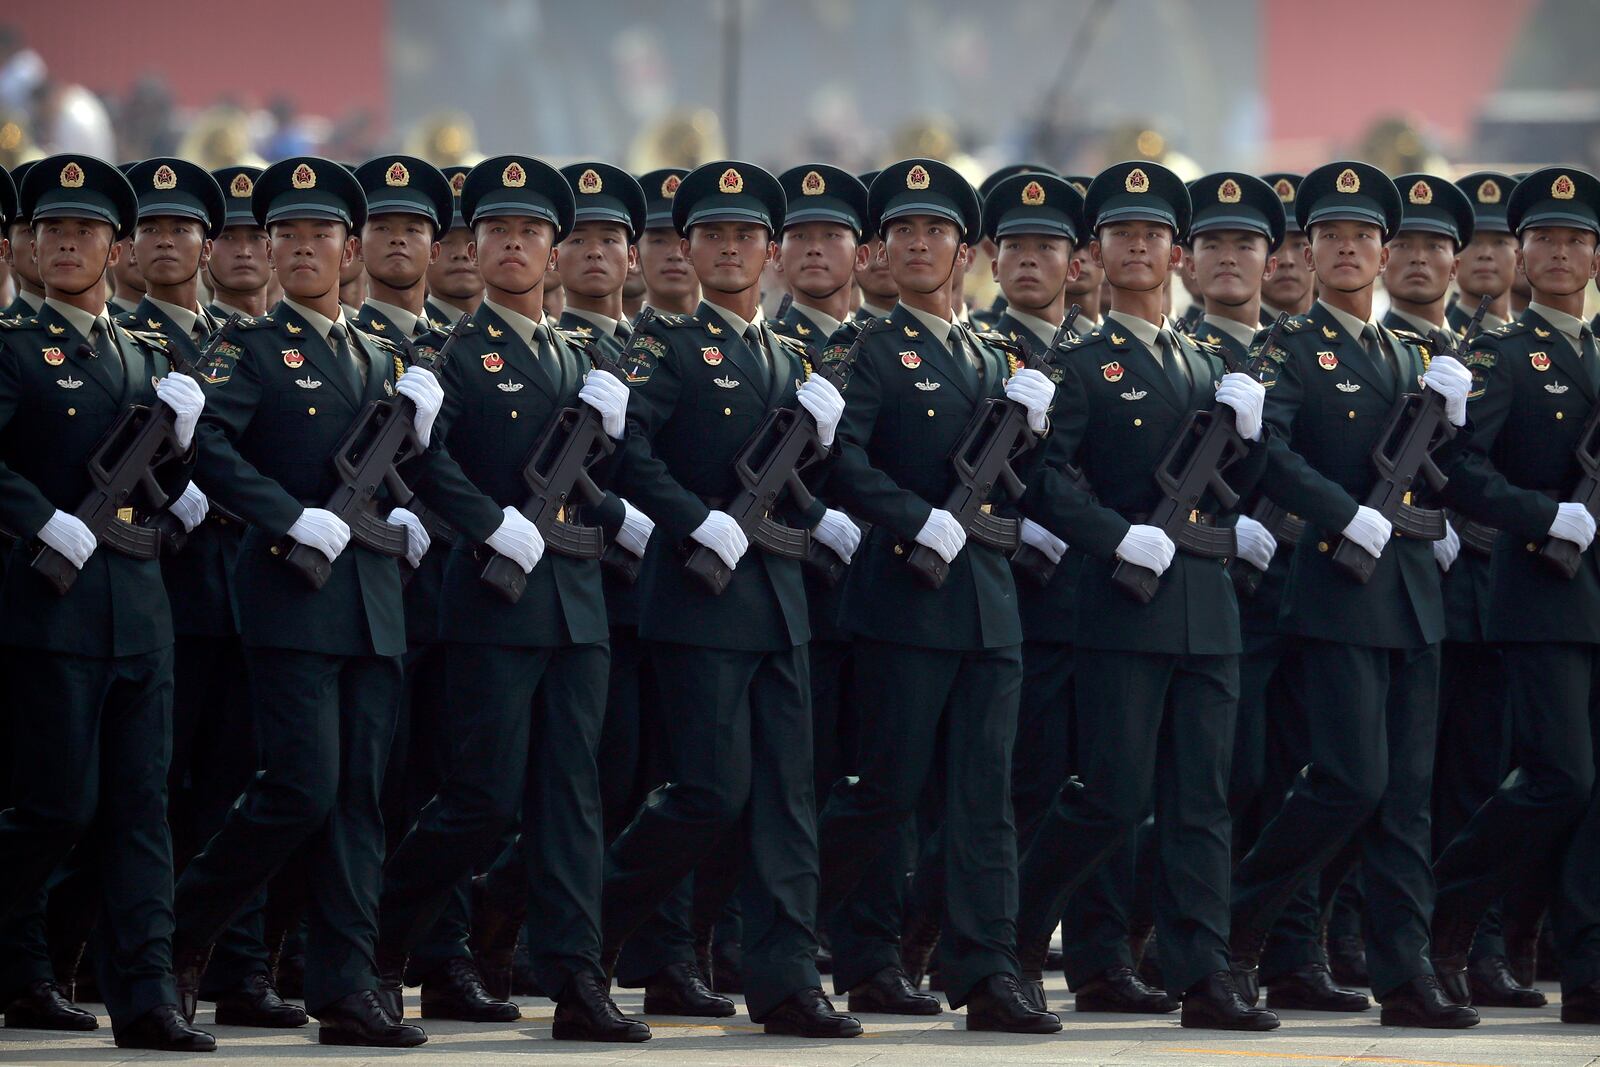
{"points": [[249, 322], [126, 320], [383, 343], [581, 336], [673, 321], [1510, 329], [794, 344], [21, 322], [149, 337], [1410, 337], [1296, 324]]}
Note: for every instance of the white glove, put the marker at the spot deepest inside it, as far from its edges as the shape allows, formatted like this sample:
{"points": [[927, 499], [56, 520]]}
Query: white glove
{"points": [[518, 540], [190, 507], [1148, 547], [68, 535], [322, 530], [1573, 523], [1034, 391], [722, 535], [607, 394], [1369, 530], [1245, 396], [636, 529], [1447, 377], [840, 534], [417, 539], [1447, 548], [943, 534], [424, 390], [821, 397], [1256, 543], [182, 394], [1045, 541]]}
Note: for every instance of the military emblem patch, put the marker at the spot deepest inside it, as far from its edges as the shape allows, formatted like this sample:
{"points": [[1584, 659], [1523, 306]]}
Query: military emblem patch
{"points": [[397, 176], [1111, 372], [293, 359], [303, 177], [1327, 361], [812, 184], [1540, 361], [241, 186], [910, 360], [54, 357], [712, 355], [164, 178], [494, 363]]}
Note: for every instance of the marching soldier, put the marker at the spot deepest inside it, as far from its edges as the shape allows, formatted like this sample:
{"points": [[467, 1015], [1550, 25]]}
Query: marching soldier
{"points": [[669, 282], [324, 663], [1435, 226], [127, 284], [91, 671], [879, 294], [1488, 262], [455, 286], [1290, 288], [731, 667], [1366, 661], [238, 272], [934, 663], [1156, 683], [19, 256], [1534, 385]]}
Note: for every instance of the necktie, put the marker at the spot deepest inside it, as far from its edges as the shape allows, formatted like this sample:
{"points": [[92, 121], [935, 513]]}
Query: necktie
{"points": [[1591, 358], [624, 331], [545, 354], [1376, 351], [1173, 363], [752, 337], [354, 370], [965, 358], [106, 351]]}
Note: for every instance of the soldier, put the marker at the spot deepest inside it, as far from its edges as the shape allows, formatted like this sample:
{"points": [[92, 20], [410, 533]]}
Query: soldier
{"points": [[126, 281], [91, 672], [1533, 388], [455, 286], [997, 306], [324, 662], [1488, 262], [1435, 227], [934, 663], [19, 256], [879, 294], [1290, 287], [1366, 661], [238, 272], [1083, 286], [669, 281], [729, 666]]}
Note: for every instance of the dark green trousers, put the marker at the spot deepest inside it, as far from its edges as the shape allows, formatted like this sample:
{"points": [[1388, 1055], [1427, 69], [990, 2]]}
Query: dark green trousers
{"points": [[1152, 728], [739, 756], [530, 719], [1370, 717], [323, 724], [92, 740], [909, 697]]}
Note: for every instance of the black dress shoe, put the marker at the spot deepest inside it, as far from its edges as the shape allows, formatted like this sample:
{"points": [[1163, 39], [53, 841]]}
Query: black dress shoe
{"points": [[1493, 986], [456, 991], [1581, 1005], [163, 1028], [1214, 1003], [188, 965], [1247, 982], [43, 1007], [809, 1014], [1421, 1002], [1347, 960], [392, 995], [1311, 988], [1451, 971], [360, 1019], [256, 1003], [889, 992], [998, 1003], [1119, 990], [586, 1012], [678, 989]]}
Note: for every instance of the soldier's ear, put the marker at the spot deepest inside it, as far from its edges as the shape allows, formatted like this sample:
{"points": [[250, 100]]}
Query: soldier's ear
{"points": [[633, 258], [1272, 265], [434, 251], [472, 251], [1074, 268], [1383, 258], [1097, 253], [206, 247], [863, 255]]}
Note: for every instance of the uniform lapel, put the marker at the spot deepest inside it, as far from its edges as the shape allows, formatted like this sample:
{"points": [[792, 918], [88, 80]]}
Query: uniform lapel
{"points": [[912, 335], [317, 352], [785, 368], [1329, 336], [135, 367], [150, 317], [732, 347], [1141, 362], [1548, 340], [380, 364], [72, 346], [1406, 359], [1200, 370], [508, 346]]}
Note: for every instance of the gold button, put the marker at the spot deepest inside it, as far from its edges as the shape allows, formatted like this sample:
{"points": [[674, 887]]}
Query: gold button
{"points": [[311, 411], [274, 550], [1322, 546], [1138, 422], [1561, 414], [72, 411], [727, 411], [1352, 414], [930, 413], [899, 551], [513, 413], [1532, 547]]}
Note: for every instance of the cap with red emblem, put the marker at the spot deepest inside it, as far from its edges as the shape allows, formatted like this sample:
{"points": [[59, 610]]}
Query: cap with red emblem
{"points": [[1287, 185], [1232, 200], [79, 187], [308, 187], [457, 177], [1033, 201], [1555, 196], [606, 194], [1433, 205], [406, 185], [660, 189], [924, 187], [171, 187], [817, 192], [1490, 194], [1138, 190], [1348, 191], [238, 184], [728, 190], [519, 186]]}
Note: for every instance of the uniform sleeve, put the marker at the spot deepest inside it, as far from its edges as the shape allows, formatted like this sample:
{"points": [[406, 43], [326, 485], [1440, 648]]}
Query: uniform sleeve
{"points": [[1053, 500], [1288, 480], [438, 478], [1475, 486], [23, 509], [869, 493], [221, 471], [640, 475]]}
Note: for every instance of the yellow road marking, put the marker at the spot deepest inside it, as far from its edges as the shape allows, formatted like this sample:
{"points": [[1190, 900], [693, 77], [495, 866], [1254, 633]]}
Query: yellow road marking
{"points": [[1312, 1056]]}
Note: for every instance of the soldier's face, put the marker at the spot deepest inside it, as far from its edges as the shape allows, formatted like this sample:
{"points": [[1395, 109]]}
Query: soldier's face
{"points": [[513, 251], [1347, 256], [453, 273], [239, 259], [1032, 269], [663, 265], [728, 257], [397, 248], [1138, 256], [818, 258], [1421, 266], [73, 254], [1087, 274], [169, 250], [1289, 284], [1487, 265], [595, 259], [925, 252], [1558, 260], [872, 274], [1230, 265], [20, 255], [125, 271], [309, 256]]}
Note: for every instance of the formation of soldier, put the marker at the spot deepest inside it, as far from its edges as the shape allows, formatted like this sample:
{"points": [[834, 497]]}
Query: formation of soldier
{"points": [[417, 632]]}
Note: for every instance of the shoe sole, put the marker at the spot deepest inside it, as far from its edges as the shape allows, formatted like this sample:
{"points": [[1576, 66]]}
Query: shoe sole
{"points": [[76, 1028], [1114, 1008], [170, 1048], [674, 1009], [502, 1017], [831, 1036], [229, 1019], [1298, 1005], [1526, 1005], [922, 1012], [563, 1032], [1209, 1024], [1040, 1028], [1387, 1019], [341, 1037]]}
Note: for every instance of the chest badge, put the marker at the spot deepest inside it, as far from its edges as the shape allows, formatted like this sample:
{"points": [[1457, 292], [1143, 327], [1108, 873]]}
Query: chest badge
{"points": [[1135, 394], [910, 332], [927, 385], [726, 383], [1541, 334], [54, 357], [388, 387], [1550, 387], [493, 363], [292, 328], [910, 360], [712, 355], [1327, 361], [308, 382], [1540, 361], [1348, 387], [1330, 333], [510, 387], [293, 359], [1111, 372], [69, 382], [55, 331]]}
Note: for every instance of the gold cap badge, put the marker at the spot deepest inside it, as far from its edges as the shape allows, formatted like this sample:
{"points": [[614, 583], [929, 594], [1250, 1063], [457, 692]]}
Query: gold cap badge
{"points": [[1137, 181], [458, 181], [1562, 188], [812, 184], [731, 181], [1489, 191], [589, 182], [303, 177], [241, 186], [1421, 192], [1229, 192], [1033, 194], [1285, 190], [397, 176], [164, 178], [669, 186], [1348, 181], [71, 176], [513, 177], [917, 177]]}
